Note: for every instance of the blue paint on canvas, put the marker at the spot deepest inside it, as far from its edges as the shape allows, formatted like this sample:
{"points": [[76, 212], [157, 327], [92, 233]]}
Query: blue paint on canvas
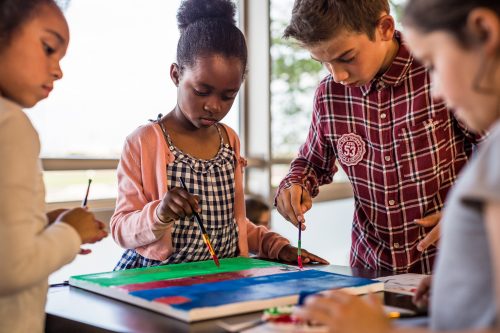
{"points": [[254, 288]]}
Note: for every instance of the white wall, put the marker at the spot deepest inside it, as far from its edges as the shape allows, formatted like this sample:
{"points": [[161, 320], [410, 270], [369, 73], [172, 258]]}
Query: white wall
{"points": [[328, 232]]}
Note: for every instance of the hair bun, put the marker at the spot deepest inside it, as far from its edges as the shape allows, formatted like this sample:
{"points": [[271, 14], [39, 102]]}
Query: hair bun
{"points": [[191, 11]]}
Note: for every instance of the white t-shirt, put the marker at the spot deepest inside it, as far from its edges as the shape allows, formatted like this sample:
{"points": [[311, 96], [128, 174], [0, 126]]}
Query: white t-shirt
{"points": [[29, 249], [463, 291]]}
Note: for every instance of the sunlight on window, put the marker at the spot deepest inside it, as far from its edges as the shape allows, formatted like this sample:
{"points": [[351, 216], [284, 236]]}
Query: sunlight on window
{"points": [[116, 77], [72, 185], [294, 79]]}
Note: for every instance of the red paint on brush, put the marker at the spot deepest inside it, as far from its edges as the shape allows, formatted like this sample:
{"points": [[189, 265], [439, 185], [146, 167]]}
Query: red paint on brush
{"points": [[216, 260], [299, 260]]}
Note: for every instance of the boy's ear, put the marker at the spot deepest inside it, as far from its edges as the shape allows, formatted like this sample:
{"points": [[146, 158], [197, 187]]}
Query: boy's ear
{"points": [[484, 28], [386, 27], [175, 74]]}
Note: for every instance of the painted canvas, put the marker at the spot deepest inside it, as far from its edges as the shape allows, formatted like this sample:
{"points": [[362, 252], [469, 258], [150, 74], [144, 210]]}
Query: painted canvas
{"points": [[199, 290]]}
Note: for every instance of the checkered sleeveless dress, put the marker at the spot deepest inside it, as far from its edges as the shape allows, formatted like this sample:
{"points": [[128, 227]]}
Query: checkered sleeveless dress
{"points": [[213, 181]]}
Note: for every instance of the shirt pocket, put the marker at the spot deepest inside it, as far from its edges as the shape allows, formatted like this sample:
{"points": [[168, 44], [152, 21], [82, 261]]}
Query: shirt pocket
{"points": [[424, 149]]}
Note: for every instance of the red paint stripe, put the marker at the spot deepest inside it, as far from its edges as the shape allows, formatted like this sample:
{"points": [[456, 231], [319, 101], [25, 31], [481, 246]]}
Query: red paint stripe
{"points": [[204, 279]]}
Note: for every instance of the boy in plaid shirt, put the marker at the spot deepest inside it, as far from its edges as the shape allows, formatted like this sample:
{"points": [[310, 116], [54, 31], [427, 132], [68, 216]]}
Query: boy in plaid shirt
{"points": [[401, 148]]}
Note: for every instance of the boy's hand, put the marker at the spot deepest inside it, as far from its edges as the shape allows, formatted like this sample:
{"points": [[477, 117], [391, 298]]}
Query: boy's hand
{"points": [[54, 214], [423, 294], [176, 204], [433, 236], [85, 224], [344, 313], [293, 202], [289, 254]]}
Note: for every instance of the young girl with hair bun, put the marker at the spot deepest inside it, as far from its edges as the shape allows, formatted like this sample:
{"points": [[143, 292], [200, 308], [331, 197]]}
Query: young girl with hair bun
{"points": [[153, 216]]}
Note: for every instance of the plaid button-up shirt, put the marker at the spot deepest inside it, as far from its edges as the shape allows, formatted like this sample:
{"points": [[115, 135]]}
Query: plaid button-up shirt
{"points": [[401, 150]]}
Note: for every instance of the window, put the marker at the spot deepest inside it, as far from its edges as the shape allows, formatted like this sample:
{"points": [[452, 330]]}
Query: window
{"points": [[116, 77], [294, 78]]}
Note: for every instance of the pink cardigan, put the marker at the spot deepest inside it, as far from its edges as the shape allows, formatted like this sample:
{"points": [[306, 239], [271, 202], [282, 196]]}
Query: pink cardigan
{"points": [[141, 186]]}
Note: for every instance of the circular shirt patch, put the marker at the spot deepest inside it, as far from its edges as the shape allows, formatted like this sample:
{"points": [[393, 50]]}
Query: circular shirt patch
{"points": [[351, 149]]}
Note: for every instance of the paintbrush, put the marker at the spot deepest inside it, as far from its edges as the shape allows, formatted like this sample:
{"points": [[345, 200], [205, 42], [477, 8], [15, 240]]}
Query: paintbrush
{"points": [[299, 251], [84, 205], [202, 228], [84, 201]]}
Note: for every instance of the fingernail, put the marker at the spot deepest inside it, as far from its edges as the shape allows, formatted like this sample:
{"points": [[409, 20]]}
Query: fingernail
{"points": [[420, 247], [300, 218]]}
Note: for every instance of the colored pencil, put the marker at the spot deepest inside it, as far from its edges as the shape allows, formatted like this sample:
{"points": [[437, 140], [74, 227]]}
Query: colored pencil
{"points": [[84, 202], [299, 251], [203, 231]]}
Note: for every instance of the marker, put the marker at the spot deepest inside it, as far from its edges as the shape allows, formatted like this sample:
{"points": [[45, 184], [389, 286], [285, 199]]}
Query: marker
{"points": [[202, 228]]}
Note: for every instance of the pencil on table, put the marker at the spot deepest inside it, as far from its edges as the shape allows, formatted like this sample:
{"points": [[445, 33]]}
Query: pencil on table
{"points": [[203, 231]]}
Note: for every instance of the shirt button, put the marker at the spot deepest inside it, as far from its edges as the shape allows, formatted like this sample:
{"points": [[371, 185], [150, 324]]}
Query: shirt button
{"points": [[387, 158], [383, 115], [392, 202], [396, 245]]}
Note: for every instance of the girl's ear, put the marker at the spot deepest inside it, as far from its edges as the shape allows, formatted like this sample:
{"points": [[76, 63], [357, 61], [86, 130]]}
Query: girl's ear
{"points": [[484, 27], [175, 74]]}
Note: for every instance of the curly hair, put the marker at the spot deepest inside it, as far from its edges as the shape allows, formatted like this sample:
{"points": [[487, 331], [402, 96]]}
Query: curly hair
{"points": [[208, 27]]}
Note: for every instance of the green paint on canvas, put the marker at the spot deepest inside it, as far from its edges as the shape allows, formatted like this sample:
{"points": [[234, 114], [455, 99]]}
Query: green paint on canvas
{"points": [[168, 272]]}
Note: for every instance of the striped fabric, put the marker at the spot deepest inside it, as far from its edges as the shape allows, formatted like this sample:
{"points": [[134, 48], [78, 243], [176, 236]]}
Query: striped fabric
{"points": [[401, 150], [213, 181]]}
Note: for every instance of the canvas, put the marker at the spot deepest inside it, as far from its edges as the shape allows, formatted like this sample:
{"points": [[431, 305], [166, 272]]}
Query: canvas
{"points": [[199, 290]]}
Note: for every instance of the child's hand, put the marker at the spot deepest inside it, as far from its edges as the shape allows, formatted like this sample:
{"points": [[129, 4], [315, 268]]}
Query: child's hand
{"points": [[289, 254], [292, 203], [432, 237], [84, 222], [423, 294], [177, 203], [344, 313]]}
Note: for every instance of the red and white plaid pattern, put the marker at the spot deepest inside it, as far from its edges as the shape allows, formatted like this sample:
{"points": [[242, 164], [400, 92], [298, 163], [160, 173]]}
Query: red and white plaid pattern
{"points": [[401, 150]]}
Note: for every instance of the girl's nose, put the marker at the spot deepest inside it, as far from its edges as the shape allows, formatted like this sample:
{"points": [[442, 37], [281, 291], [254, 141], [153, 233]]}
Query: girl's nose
{"points": [[57, 72], [212, 106]]}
